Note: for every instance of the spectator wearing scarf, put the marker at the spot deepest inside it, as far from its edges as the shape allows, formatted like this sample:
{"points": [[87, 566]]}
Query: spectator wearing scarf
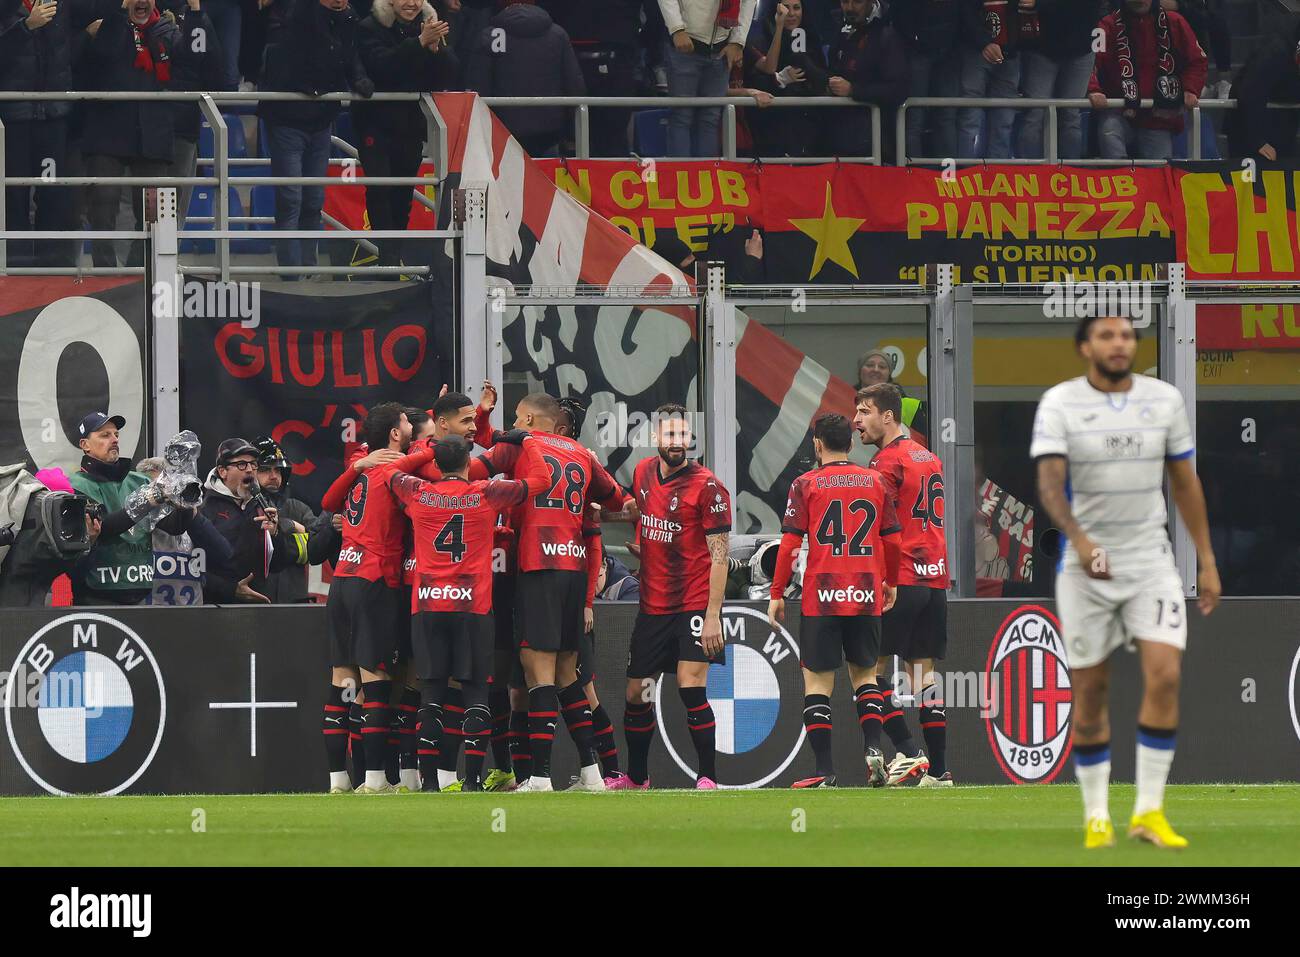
{"points": [[1149, 53], [134, 49]]}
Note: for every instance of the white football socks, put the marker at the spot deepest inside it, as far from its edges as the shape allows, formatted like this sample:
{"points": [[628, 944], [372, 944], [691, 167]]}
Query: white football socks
{"points": [[1094, 782], [1155, 756], [340, 779]]}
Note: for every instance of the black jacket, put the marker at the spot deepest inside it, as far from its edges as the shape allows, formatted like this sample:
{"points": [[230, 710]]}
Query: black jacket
{"points": [[812, 60], [34, 61], [929, 27], [199, 73], [140, 128], [313, 52], [1065, 26], [319, 544], [975, 30], [538, 60], [396, 62], [872, 58], [233, 518], [607, 22], [1269, 76]]}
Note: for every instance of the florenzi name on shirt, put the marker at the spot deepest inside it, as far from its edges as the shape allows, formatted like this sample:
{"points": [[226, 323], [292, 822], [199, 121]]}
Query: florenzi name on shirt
{"points": [[846, 480]]}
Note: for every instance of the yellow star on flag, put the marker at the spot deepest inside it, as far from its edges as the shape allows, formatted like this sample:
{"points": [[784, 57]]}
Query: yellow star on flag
{"points": [[831, 233]]}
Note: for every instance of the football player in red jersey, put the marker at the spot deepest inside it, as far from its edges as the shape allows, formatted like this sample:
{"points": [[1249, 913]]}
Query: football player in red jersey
{"points": [[844, 510], [916, 628], [452, 629], [552, 585], [684, 526], [364, 611]]}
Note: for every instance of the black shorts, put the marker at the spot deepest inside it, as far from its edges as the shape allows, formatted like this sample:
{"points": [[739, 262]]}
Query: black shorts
{"points": [[660, 641], [917, 626], [452, 644], [549, 606], [404, 627], [365, 620], [826, 640], [503, 611]]}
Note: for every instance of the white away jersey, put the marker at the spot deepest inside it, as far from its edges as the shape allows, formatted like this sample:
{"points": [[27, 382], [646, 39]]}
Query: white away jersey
{"points": [[1116, 444]]}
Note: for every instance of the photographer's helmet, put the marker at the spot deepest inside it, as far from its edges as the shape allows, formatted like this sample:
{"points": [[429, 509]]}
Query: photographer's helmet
{"points": [[270, 456]]}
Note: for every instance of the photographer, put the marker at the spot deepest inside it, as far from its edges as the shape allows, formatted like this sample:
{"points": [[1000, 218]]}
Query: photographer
{"points": [[180, 562], [118, 570], [44, 532], [312, 540], [249, 522]]}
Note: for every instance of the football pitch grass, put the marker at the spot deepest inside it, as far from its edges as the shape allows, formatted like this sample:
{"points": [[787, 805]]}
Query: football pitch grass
{"points": [[1227, 825]]}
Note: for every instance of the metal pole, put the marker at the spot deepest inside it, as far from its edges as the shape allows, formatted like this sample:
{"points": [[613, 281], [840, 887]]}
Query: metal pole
{"points": [[1053, 137], [221, 169], [1196, 133], [4, 246], [720, 383], [436, 135], [952, 418], [1178, 367], [582, 132], [876, 147], [729, 131], [473, 290], [900, 135], [166, 292]]}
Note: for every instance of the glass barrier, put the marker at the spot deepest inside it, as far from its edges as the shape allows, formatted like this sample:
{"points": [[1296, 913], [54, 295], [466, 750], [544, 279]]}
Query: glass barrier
{"points": [[1248, 440], [621, 358], [1019, 354], [798, 357]]}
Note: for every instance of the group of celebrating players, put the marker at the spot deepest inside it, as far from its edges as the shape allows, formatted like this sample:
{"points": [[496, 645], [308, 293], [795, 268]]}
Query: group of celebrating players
{"points": [[460, 613], [497, 557]]}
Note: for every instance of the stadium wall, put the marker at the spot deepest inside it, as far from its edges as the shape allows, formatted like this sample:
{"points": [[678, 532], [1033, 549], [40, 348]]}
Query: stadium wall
{"points": [[215, 700]]}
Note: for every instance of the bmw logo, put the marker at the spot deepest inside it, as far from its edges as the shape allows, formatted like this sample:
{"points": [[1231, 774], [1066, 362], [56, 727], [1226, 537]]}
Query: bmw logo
{"points": [[757, 699], [85, 706]]}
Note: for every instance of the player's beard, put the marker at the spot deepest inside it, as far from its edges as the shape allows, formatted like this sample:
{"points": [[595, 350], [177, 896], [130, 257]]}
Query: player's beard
{"points": [[1115, 374], [673, 457]]}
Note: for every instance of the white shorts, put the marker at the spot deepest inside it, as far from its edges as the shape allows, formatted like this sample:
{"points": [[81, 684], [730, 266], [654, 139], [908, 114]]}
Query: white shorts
{"points": [[1099, 616]]}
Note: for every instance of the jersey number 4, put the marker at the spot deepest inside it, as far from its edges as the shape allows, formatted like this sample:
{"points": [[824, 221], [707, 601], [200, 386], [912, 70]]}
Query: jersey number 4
{"points": [[574, 478], [926, 508], [831, 531], [451, 540]]}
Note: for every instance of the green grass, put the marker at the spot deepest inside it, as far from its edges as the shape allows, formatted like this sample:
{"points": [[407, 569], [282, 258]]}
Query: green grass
{"points": [[1226, 824]]}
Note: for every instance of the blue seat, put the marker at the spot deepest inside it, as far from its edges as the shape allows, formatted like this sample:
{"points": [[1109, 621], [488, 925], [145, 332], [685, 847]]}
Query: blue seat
{"points": [[237, 142], [261, 202], [203, 203], [650, 128]]}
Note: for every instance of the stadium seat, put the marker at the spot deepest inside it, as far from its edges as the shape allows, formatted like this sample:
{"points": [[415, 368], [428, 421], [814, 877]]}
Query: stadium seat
{"points": [[237, 142], [650, 128], [261, 203], [203, 203]]}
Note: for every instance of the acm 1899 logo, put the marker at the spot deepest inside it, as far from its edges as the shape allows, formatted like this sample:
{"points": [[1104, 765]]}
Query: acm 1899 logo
{"points": [[757, 699], [85, 706], [1029, 678]]}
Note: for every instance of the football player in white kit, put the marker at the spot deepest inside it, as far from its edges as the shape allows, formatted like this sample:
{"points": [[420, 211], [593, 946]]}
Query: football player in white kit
{"points": [[1102, 443]]}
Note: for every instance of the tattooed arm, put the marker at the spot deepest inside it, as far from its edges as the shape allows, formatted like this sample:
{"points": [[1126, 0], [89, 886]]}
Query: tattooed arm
{"points": [[719, 552]]}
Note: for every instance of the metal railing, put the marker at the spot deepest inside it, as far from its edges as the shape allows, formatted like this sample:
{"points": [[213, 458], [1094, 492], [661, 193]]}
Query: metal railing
{"points": [[437, 152]]}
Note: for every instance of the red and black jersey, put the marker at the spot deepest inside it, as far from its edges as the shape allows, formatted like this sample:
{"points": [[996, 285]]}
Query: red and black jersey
{"points": [[843, 509], [454, 522], [373, 530], [677, 513], [549, 525], [914, 475]]}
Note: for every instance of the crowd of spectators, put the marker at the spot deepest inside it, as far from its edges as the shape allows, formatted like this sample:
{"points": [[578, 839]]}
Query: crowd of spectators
{"points": [[867, 51]]}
